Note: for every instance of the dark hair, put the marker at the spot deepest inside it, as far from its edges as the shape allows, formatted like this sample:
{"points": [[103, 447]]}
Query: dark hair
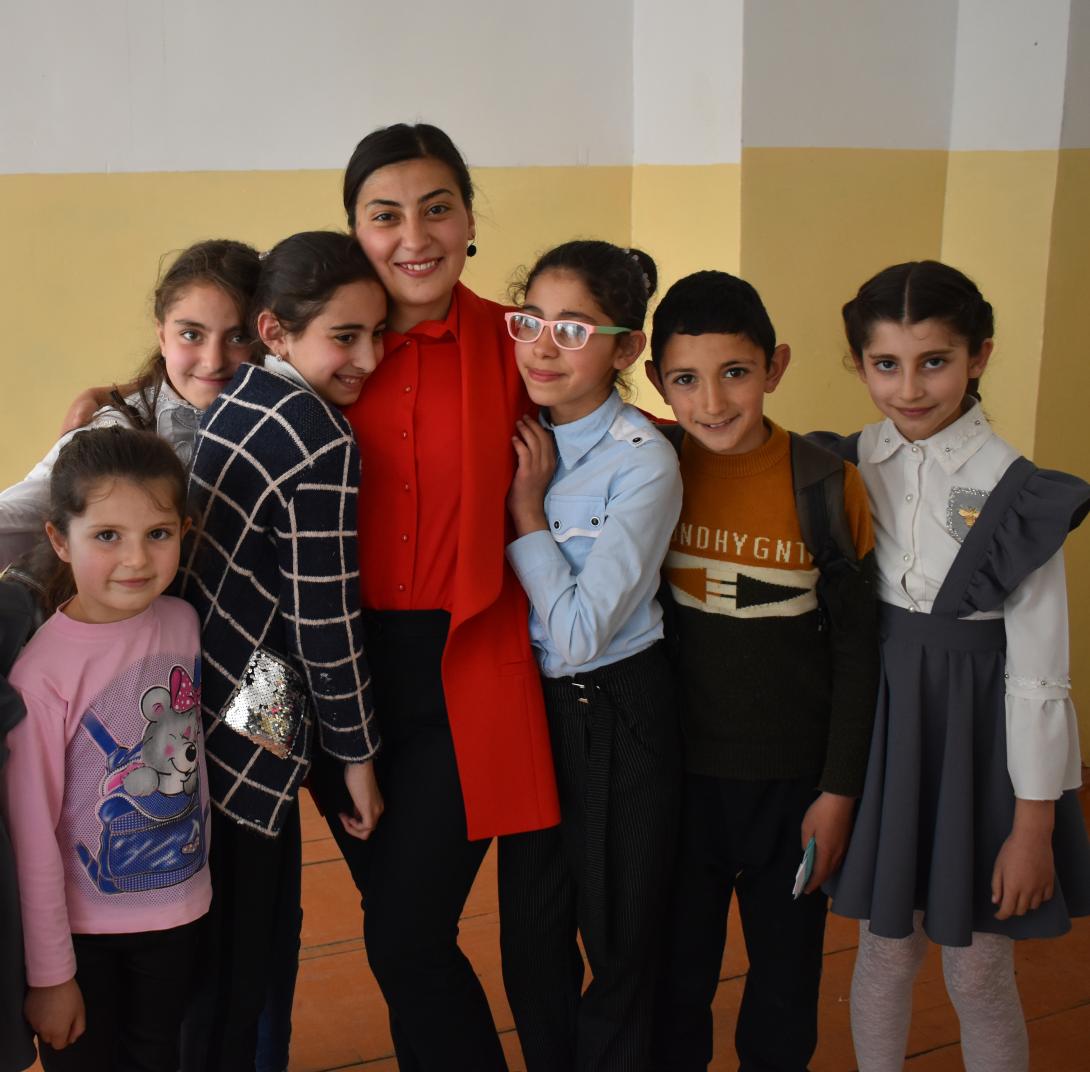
{"points": [[231, 266], [301, 273], [712, 303], [620, 280], [915, 291], [87, 458], [395, 145]]}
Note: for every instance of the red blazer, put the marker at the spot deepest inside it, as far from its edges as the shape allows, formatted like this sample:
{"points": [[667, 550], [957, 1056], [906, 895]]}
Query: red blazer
{"points": [[490, 676]]}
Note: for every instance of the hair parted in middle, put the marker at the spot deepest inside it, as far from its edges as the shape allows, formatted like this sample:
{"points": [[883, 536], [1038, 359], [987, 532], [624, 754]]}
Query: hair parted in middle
{"points": [[87, 459]]}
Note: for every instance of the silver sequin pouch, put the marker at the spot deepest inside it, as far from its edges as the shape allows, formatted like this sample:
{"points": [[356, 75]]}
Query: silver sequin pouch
{"points": [[268, 704]]}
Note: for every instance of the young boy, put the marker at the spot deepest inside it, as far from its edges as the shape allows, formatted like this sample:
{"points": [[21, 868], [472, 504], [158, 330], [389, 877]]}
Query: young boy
{"points": [[778, 678]]}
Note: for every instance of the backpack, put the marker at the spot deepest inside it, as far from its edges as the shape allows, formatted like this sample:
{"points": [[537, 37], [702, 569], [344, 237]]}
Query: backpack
{"points": [[818, 478]]}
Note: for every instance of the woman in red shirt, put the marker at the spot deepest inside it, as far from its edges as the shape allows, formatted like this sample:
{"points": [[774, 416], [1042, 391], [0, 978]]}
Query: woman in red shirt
{"points": [[466, 753]]}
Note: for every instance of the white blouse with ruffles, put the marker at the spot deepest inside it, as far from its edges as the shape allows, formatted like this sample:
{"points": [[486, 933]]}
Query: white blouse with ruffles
{"points": [[924, 497]]}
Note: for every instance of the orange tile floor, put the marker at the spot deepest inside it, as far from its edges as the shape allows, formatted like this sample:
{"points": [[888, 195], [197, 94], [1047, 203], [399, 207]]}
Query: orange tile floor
{"points": [[340, 1020]]}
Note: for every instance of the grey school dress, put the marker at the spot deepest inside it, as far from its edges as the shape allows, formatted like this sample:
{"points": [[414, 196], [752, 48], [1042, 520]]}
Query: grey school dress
{"points": [[938, 802]]}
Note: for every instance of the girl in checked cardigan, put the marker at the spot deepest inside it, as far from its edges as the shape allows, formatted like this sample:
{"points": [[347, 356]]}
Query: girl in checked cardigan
{"points": [[273, 574]]}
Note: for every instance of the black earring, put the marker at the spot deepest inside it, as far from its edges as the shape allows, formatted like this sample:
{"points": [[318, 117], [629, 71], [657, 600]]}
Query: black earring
{"points": [[471, 249]]}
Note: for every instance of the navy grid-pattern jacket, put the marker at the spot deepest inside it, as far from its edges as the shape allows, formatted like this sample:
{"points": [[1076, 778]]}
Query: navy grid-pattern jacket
{"points": [[274, 564]]}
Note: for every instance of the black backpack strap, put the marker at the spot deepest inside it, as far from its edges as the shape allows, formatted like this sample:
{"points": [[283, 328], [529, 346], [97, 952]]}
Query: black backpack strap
{"points": [[843, 446], [818, 477], [674, 433]]}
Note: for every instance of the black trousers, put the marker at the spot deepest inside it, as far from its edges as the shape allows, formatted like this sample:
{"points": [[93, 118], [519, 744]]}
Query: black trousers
{"points": [[742, 837], [134, 990], [604, 872], [255, 896], [416, 870]]}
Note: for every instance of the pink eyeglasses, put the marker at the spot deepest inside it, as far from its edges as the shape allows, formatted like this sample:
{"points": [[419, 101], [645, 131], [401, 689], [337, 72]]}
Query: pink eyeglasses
{"points": [[567, 334]]}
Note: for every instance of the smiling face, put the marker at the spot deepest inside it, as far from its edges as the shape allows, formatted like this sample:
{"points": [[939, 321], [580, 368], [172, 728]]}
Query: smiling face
{"points": [[414, 227], [571, 383], [203, 340], [917, 374], [716, 386], [123, 548], [340, 347]]}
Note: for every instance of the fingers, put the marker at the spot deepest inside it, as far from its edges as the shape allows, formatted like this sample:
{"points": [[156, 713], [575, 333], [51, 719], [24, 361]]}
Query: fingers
{"points": [[822, 868], [357, 827], [79, 1025]]}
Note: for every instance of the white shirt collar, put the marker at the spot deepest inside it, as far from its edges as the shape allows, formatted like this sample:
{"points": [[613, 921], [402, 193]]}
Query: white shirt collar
{"points": [[284, 369], [952, 447]]}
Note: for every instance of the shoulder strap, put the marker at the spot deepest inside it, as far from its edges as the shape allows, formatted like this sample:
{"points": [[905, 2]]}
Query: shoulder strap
{"points": [[818, 477], [674, 433]]}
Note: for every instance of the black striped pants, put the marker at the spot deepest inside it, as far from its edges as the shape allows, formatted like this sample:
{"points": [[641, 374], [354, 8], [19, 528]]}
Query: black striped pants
{"points": [[604, 871]]}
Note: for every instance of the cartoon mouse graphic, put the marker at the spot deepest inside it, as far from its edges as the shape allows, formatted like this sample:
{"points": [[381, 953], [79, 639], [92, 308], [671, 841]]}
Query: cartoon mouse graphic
{"points": [[168, 751]]}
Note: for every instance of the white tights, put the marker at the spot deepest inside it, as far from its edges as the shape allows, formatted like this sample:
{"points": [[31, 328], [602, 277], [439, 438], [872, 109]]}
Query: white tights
{"points": [[980, 982]]}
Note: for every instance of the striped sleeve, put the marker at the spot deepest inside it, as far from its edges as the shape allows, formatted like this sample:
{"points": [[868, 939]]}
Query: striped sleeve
{"points": [[320, 605]]}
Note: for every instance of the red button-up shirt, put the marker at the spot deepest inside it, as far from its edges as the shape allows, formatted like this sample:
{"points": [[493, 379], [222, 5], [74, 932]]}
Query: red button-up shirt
{"points": [[408, 426]]}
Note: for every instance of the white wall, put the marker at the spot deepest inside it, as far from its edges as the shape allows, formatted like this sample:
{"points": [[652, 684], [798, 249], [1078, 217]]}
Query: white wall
{"points": [[192, 85], [1011, 66], [688, 81], [873, 74], [1076, 120]]}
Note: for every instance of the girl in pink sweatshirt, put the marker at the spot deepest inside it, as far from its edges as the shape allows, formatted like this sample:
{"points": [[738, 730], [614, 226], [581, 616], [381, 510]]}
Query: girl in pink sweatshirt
{"points": [[105, 794]]}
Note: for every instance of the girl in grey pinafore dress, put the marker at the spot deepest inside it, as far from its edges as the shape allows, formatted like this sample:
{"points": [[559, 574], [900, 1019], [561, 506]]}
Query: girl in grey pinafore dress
{"points": [[939, 803]]}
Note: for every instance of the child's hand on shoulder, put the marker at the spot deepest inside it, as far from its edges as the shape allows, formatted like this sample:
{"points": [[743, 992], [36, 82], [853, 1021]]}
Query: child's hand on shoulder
{"points": [[829, 821], [56, 1013], [1024, 872], [536, 453]]}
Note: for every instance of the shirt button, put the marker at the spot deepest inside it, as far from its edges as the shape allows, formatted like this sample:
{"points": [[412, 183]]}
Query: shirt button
{"points": [[637, 439], [947, 449], [886, 440], [907, 558], [911, 610], [407, 389], [406, 487], [404, 435], [908, 497], [401, 588], [556, 524], [404, 537], [915, 450]]}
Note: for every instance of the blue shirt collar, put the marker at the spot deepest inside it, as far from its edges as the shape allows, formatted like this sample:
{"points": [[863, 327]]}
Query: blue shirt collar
{"points": [[576, 439]]}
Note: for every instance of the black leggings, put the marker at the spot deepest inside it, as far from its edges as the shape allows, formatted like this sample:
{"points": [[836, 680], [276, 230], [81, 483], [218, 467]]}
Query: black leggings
{"points": [[416, 870], [134, 988]]}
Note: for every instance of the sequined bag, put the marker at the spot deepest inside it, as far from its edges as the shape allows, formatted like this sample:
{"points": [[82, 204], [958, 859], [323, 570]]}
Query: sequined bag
{"points": [[269, 703]]}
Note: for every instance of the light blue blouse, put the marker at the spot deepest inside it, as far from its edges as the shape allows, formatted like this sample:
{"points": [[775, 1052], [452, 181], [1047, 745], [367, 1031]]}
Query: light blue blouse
{"points": [[612, 505]]}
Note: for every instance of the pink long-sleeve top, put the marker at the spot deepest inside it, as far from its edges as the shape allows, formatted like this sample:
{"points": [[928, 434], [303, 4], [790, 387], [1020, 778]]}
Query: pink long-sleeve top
{"points": [[105, 791]]}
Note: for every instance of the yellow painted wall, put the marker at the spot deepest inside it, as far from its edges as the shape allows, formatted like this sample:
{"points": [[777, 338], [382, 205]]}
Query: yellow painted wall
{"points": [[815, 224], [1062, 440], [82, 252], [998, 229], [688, 217]]}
